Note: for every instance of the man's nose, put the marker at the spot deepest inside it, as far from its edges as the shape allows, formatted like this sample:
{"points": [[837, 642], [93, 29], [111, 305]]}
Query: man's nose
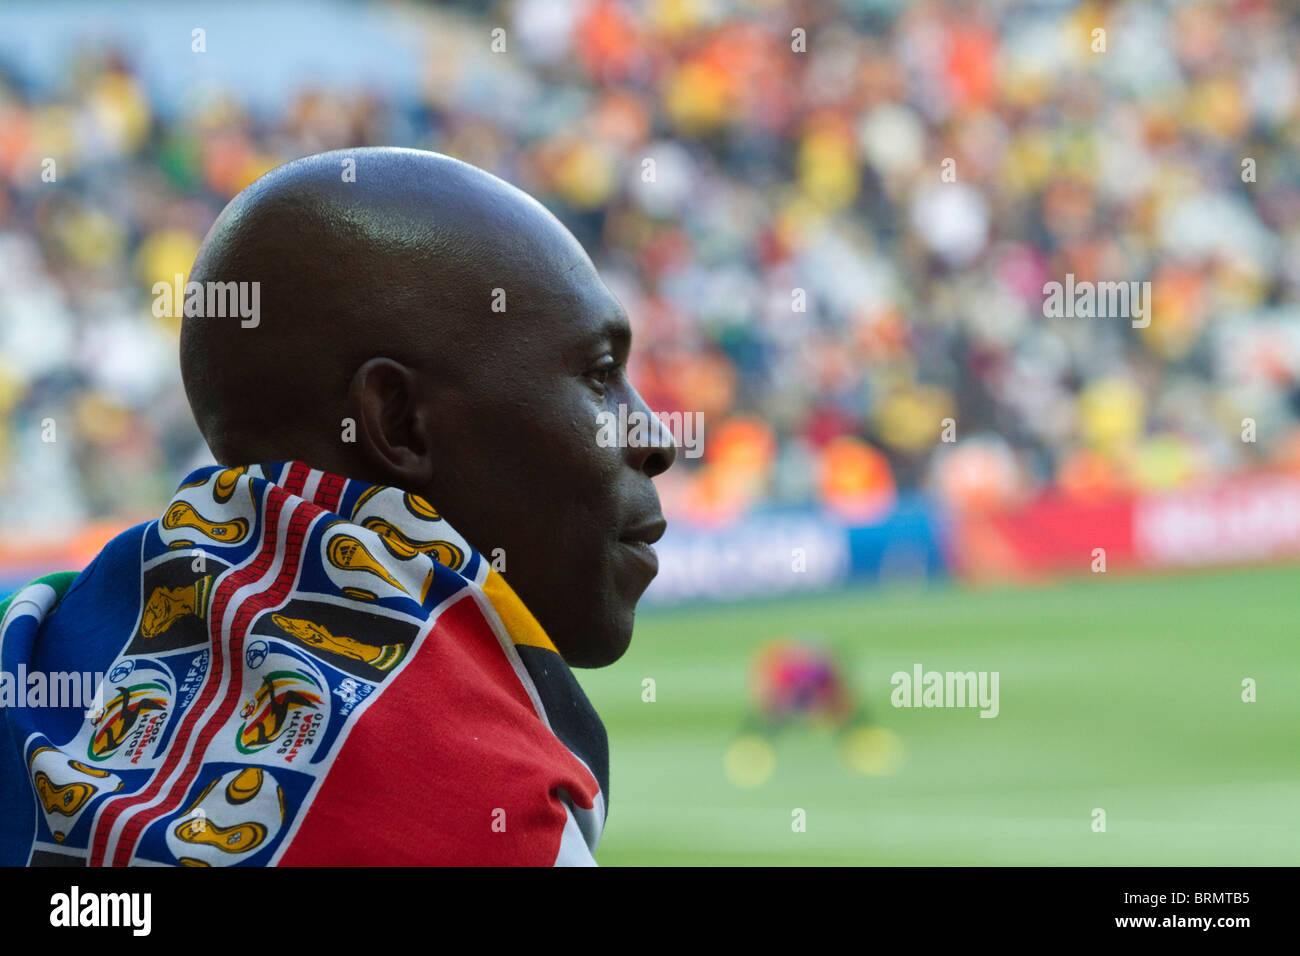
{"points": [[657, 455]]}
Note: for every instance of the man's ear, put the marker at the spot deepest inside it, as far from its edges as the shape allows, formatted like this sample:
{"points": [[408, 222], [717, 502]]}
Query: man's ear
{"points": [[387, 399]]}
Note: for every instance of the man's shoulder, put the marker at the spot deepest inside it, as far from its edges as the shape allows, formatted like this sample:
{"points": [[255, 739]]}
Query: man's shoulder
{"points": [[56, 583], [114, 569]]}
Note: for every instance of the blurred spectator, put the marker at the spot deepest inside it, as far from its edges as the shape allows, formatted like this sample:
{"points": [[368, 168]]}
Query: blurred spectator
{"points": [[829, 242]]}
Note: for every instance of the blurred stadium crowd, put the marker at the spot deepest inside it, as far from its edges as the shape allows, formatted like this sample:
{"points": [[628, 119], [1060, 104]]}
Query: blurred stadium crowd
{"points": [[794, 264]]}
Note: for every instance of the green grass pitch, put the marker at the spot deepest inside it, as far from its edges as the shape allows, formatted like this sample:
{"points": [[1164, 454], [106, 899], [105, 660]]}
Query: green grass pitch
{"points": [[1117, 693]]}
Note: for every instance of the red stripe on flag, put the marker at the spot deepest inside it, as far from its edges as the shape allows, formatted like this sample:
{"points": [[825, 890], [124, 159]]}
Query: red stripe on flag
{"points": [[253, 571], [330, 491], [257, 603], [296, 480]]}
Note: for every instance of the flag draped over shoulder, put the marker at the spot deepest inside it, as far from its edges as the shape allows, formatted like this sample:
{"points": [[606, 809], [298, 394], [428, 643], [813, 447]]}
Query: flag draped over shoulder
{"points": [[290, 667]]}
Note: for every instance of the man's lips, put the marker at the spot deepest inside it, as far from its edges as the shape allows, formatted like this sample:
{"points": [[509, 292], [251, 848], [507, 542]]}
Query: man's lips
{"points": [[640, 542], [648, 532]]}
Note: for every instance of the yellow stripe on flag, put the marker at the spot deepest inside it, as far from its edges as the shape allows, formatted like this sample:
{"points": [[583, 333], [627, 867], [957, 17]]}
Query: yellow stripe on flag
{"points": [[519, 621]]}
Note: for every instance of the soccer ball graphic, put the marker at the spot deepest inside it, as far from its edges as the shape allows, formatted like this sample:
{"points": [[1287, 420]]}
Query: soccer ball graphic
{"points": [[236, 815]]}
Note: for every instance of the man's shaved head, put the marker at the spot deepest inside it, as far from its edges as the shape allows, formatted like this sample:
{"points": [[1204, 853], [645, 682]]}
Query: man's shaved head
{"points": [[376, 307], [399, 263]]}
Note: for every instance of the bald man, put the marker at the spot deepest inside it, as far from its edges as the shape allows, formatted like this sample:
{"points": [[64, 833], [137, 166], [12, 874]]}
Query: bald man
{"points": [[350, 641]]}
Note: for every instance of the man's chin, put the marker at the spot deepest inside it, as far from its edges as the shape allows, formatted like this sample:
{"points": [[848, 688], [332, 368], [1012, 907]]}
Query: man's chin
{"points": [[611, 645]]}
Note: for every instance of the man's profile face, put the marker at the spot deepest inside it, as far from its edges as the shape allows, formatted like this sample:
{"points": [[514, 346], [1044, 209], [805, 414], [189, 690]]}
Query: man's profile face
{"points": [[494, 347], [518, 465]]}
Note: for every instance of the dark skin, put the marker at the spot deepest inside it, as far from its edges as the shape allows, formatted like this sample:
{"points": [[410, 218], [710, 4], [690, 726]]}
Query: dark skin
{"points": [[376, 306]]}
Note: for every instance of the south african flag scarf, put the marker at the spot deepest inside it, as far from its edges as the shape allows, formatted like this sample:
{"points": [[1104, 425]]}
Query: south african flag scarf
{"points": [[290, 667]]}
